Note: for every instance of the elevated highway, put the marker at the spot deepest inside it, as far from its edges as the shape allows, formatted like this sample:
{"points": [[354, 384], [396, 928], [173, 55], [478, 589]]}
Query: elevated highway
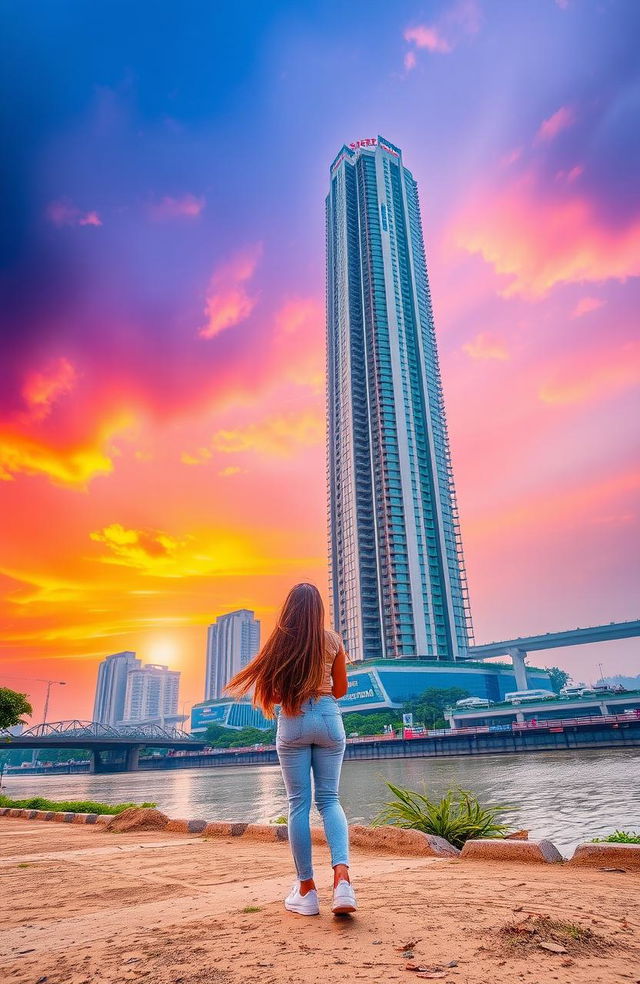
{"points": [[518, 648]]}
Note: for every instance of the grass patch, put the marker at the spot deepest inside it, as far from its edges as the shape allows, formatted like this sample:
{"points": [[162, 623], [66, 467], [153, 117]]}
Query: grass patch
{"points": [[618, 837], [24, 864], [252, 908], [68, 806], [458, 816], [554, 935]]}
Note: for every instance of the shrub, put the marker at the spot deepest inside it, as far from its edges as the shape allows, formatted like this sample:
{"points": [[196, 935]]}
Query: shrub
{"points": [[618, 837], [458, 816], [69, 806]]}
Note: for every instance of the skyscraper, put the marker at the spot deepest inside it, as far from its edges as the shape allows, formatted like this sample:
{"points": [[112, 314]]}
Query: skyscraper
{"points": [[111, 687], [398, 585], [152, 693], [232, 641]]}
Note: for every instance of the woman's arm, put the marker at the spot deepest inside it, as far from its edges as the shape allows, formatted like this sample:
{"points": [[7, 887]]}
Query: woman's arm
{"points": [[339, 674]]}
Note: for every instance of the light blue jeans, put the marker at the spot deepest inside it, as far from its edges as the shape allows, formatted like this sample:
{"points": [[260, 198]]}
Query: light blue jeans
{"points": [[313, 741]]}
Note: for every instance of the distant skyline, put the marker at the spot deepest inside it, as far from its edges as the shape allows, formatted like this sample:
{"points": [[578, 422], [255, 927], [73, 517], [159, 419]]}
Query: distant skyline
{"points": [[162, 313]]}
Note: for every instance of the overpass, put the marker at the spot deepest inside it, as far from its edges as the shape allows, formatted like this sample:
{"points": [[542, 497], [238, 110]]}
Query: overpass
{"points": [[517, 649], [113, 748]]}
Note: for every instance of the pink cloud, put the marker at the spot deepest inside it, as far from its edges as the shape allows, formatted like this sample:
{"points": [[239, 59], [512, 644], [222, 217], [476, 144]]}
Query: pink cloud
{"points": [[410, 61], [42, 388], [571, 175], [537, 242], [228, 302], [185, 207], [511, 157], [298, 343], [64, 213], [592, 378], [427, 37], [555, 124], [90, 219], [585, 305], [485, 345], [461, 19]]}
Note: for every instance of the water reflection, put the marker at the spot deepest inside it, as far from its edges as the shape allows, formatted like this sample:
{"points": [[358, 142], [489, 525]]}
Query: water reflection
{"points": [[565, 796]]}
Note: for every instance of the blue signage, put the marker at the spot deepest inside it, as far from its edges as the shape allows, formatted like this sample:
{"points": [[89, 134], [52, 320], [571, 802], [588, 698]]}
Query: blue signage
{"points": [[363, 689], [207, 714]]}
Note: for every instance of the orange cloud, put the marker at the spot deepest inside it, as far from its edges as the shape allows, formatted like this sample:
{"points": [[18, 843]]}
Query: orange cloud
{"points": [[537, 243], [555, 124], [42, 388], [486, 346], [200, 457], [185, 207], [587, 304], [64, 213], [204, 552], [278, 435], [73, 467], [228, 302], [594, 379]]}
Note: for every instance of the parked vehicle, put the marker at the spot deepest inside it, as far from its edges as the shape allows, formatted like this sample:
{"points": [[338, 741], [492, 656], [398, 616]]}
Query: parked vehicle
{"points": [[522, 696], [474, 702]]}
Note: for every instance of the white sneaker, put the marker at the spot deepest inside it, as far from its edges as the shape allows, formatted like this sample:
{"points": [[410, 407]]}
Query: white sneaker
{"points": [[305, 905], [344, 898]]}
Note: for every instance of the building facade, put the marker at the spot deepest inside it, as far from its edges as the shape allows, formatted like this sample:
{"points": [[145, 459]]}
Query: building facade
{"points": [[232, 641], [111, 687], [152, 694], [397, 580]]}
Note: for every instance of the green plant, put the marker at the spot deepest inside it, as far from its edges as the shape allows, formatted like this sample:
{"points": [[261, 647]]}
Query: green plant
{"points": [[280, 819], [252, 908], [618, 837], [458, 816], [70, 806]]}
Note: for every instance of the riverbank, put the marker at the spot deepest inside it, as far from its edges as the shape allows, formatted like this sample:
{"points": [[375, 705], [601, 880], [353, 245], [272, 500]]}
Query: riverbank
{"points": [[567, 797], [92, 905]]}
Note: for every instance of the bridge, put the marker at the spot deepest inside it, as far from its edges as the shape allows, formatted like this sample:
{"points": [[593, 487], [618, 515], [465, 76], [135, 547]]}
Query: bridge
{"points": [[517, 649], [113, 748]]}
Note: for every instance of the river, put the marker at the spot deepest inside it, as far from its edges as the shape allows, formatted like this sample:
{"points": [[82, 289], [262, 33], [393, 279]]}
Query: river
{"points": [[567, 797]]}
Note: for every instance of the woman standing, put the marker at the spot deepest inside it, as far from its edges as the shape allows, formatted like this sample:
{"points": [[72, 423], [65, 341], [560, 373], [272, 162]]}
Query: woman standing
{"points": [[302, 668]]}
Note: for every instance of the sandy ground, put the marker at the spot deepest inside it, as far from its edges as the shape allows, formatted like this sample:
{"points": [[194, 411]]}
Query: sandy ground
{"points": [[79, 905]]}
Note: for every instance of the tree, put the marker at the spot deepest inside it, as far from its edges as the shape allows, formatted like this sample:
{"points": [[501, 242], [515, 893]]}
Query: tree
{"points": [[12, 706], [428, 708], [559, 678], [219, 737], [371, 724]]}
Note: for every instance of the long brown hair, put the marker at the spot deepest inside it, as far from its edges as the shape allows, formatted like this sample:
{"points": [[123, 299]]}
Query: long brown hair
{"points": [[289, 668]]}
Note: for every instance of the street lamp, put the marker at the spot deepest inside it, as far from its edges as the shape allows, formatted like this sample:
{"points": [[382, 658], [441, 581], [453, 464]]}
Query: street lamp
{"points": [[49, 683]]}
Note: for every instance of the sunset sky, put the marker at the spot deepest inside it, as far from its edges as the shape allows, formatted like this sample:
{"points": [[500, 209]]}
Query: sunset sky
{"points": [[162, 371]]}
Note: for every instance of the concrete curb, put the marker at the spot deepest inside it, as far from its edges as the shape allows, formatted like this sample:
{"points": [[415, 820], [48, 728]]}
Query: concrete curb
{"points": [[390, 840], [523, 852], [625, 857], [56, 816]]}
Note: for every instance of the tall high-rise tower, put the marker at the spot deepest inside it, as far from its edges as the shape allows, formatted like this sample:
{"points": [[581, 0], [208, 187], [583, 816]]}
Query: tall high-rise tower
{"points": [[398, 585], [232, 641], [111, 688]]}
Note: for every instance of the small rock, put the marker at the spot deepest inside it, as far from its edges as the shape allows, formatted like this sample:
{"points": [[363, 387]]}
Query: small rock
{"points": [[452, 963], [552, 947], [622, 871], [376, 942]]}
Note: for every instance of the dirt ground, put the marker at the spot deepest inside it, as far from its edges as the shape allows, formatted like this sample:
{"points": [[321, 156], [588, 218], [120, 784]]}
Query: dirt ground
{"points": [[79, 905]]}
